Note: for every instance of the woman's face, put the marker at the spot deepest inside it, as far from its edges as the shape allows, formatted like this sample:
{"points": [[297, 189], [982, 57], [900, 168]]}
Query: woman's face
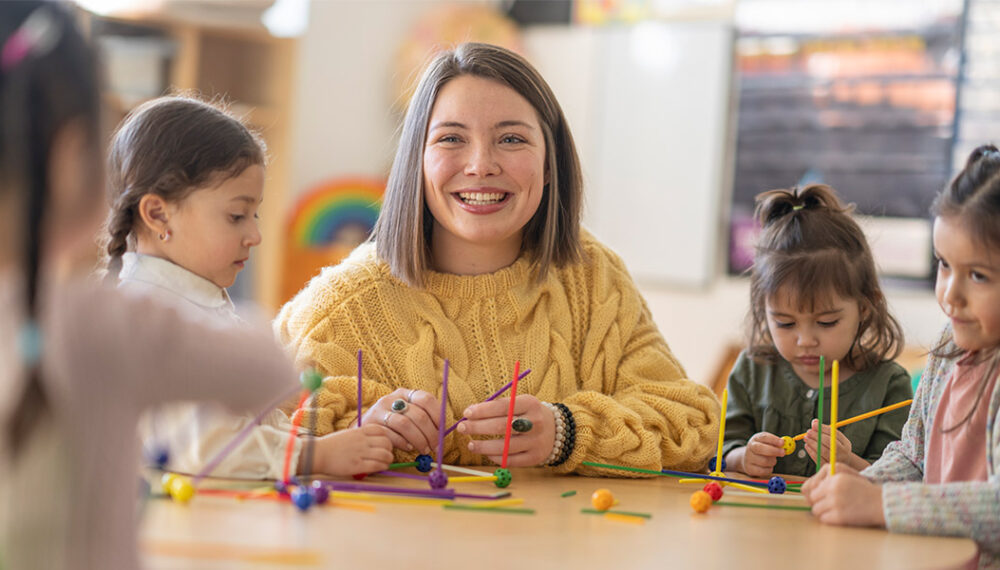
{"points": [[484, 166]]}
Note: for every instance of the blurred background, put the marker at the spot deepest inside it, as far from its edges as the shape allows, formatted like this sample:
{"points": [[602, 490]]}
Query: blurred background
{"points": [[683, 110]]}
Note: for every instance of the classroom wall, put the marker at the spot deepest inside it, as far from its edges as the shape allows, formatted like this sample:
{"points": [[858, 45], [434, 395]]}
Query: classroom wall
{"points": [[343, 124]]}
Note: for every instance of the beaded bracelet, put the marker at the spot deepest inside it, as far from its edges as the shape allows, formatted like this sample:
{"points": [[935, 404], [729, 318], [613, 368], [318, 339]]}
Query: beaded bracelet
{"points": [[565, 435], [569, 435]]}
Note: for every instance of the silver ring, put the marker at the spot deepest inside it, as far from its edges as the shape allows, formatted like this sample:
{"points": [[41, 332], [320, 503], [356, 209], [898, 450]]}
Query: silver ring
{"points": [[385, 420], [409, 397], [399, 406]]}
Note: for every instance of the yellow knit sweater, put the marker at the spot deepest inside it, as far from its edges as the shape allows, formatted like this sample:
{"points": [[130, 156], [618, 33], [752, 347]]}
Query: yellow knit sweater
{"points": [[585, 332]]}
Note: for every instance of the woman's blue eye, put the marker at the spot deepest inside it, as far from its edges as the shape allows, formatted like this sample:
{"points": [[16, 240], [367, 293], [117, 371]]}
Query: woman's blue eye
{"points": [[512, 139]]}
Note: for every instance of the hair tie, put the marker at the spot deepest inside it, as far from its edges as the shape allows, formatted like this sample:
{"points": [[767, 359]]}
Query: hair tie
{"points": [[29, 343], [37, 35], [798, 207]]}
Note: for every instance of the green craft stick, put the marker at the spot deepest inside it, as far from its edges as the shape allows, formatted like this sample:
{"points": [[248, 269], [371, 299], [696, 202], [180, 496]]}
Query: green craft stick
{"points": [[763, 506], [402, 465], [622, 468], [508, 510], [819, 434], [629, 513], [568, 494]]}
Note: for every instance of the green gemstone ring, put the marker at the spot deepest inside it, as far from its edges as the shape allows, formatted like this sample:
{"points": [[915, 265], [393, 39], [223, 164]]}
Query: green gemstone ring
{"points": [[521, 425]]}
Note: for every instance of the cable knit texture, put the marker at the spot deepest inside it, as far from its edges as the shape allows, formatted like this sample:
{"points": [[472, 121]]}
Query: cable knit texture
{"points": [[585, 332], [969, 509]]}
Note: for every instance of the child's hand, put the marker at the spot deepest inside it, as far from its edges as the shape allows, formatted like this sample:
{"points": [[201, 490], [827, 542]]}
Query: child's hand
{"points": [[414, 429], [527, 449], [843, 443], [758, 457], [367, 449], [847, 498]]}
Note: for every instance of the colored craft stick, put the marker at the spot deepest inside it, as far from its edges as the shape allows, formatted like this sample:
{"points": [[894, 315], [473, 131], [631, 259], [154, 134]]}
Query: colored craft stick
{"points": [[753, 487], [354, 506], [866, 415], [491, 398], [764, 506], [444, 404], [465, 470], [493, 497], [512, 511], [497, 503], [510, 415], [438, 493], [671, 473], [291, 435], [722, 433], [472, 479], [359, 387], [746, 487], [385, 499], [225, 451], [833, 418], [568, 494], [624, 518], [406, 475], [626, 513], [402, 465], [819, 438]]}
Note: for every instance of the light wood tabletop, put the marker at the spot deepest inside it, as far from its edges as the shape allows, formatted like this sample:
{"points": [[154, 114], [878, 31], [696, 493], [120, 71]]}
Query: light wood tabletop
{"points": [[223, 532]]}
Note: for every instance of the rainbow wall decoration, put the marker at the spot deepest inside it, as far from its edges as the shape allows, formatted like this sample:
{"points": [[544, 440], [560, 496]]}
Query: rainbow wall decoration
{"points": [[342, 208], [325, 225]]}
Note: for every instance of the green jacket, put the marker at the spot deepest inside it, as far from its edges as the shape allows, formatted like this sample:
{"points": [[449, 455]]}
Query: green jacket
{"points": [[772, 398]]}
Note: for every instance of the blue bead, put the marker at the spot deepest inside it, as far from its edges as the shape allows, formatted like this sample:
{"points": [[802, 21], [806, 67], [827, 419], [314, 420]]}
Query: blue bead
{"points": [[424, 463], [303, 498], [776, 485], [281, 487], [158, 456], [711, 465]]}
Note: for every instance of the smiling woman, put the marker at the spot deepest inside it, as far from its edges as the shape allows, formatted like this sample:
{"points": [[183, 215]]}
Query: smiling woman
{"points": [[478, 258]]}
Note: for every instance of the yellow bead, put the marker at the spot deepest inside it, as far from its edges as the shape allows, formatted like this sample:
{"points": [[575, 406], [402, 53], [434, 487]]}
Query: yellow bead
{"points": [[701, 501], [789, 445], [166, 480], [602, 499], [181, 489]]}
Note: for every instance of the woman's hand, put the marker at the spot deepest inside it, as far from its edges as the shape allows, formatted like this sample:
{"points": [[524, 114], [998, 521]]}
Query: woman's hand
{"points": [[527, 449], [844, 453], [367, 449], [847, 498], [759, 456], [413, 429]]}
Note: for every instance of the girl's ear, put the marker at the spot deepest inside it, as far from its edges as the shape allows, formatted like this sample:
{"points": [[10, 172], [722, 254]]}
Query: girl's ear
{"points": [[154, 212]]}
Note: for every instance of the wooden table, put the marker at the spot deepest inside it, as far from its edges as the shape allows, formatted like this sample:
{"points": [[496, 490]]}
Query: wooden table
{"points": [[221, 532]]}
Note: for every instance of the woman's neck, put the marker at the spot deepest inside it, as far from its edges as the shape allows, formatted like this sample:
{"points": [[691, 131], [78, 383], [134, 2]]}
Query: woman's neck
{"points": [[451, 255]]}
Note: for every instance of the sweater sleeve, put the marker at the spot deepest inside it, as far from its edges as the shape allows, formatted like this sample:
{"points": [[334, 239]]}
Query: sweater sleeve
{"points": [[646, 413], [740, 421], [889, 426], [903, 460], [969, 509]]}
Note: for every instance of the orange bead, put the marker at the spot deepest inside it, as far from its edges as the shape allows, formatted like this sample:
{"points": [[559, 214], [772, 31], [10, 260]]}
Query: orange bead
{"points": [[602, 499], [700, 501]]}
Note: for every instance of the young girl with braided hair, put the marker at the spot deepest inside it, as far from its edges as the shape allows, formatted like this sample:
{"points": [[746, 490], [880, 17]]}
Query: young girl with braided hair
{"points": [[186, 179]]}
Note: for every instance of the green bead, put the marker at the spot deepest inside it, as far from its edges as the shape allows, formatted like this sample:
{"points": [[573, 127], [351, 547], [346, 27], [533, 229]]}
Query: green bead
{"points": [[503, 477], [311, 380]]}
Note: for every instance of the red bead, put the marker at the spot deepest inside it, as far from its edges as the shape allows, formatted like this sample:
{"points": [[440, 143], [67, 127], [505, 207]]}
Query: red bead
{"points": [[714, 490]]}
